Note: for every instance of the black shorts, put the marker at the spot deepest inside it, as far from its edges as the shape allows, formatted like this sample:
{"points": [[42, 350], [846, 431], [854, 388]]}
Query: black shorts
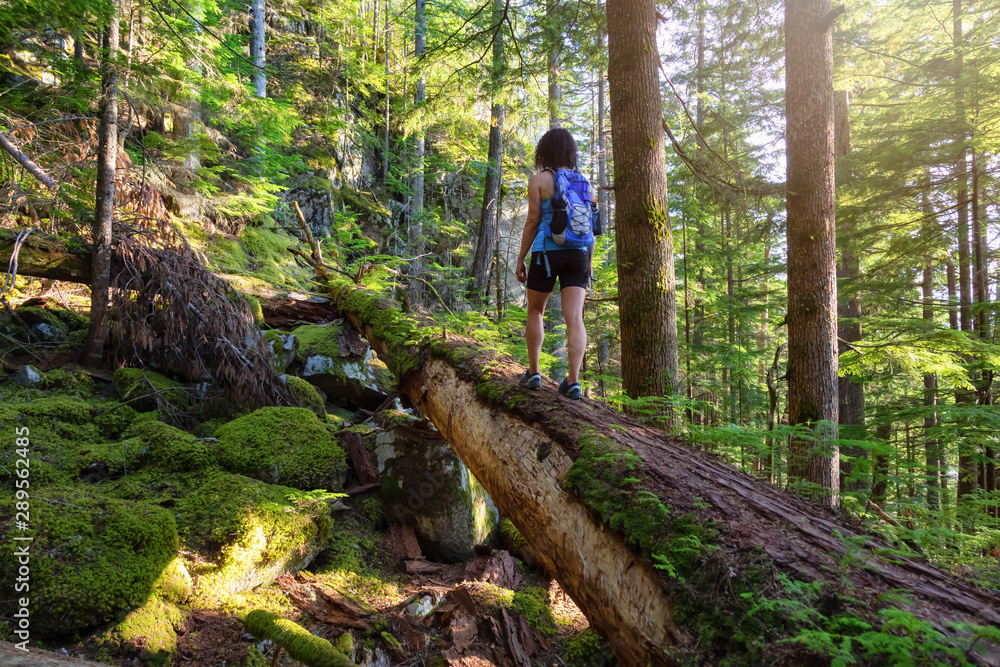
{"points": [[572, 267]]}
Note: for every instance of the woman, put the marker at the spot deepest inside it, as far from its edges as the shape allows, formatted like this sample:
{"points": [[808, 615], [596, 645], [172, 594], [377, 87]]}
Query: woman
{"points": [[555, 150]]}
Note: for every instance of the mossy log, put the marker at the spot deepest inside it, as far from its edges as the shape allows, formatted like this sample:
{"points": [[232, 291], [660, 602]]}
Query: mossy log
{"points": [[674, 556]]}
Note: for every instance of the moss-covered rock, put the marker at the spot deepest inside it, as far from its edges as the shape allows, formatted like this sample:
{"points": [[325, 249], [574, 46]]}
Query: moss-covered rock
{"points": [[91, 556], [141, 388], [282, 445], [361, 379], [250, 531], [174, 583], [149, 633], [48, 320], [307, 395], [170, 448], [283, 345], [71, 382], [113, 418]]}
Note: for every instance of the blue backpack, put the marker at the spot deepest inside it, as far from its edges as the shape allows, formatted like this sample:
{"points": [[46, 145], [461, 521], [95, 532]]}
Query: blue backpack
{"points": [[573, 212]]}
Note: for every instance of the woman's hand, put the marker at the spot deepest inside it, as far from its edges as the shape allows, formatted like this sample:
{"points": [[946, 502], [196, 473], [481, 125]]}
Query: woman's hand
{"points": [[522, 270]]}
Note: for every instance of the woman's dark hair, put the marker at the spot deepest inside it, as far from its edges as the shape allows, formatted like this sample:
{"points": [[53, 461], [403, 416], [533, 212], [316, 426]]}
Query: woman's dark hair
{"points": [[556, 149]]}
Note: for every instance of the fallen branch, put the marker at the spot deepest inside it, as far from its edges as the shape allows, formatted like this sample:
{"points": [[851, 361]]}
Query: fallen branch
{"points": [[27, 163]]}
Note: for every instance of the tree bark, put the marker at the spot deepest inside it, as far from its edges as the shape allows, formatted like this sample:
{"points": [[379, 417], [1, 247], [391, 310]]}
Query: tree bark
{"points": [[107, 158], [644, 244], [530, 450], [416, 227], [27, 163], [967, 467], [812, 289], [554, 35], [932, 446], [257, 49], [851, 388], [494, 165]]}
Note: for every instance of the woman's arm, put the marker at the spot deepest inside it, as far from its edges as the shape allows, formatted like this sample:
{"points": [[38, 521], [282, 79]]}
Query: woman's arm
{"points": [[531, 223]]}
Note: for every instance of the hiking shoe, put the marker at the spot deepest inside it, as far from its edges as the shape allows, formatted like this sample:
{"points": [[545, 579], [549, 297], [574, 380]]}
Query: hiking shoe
{"points": [[530, 380], [571, 390]]}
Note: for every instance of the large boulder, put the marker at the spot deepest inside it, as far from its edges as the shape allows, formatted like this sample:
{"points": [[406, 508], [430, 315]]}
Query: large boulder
{"points": [[341, 365], [91, 556], [426, 486], [282, 445], [248, 532]]}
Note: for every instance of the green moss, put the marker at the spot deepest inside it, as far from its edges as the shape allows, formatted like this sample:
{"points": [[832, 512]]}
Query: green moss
{"points": [[290, 446], [399, 331], [149, 631], [307, 395], [317, 339], [604, 476], [345, 644], [390, 640], [170, 448], [70, 382], [490, 597], [531, 603], [113, 419], [251, 531], [91, 556], [511, 534], [141, 388], [174, 583], [273, 337], [362, 202], [587, 649], [296, 640], [254, 658], [255, 309]]}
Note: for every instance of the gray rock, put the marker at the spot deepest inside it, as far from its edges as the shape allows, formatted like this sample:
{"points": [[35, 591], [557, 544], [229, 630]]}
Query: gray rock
{"points": [[28, 376], [426, 486]]}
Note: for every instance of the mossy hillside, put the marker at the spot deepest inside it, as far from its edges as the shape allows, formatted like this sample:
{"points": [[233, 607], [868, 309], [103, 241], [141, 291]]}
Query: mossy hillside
{"points": [[91, 557], [141, 387], [297, 641], [261, 253], [169, 448], [306, 395], [249, 530], [148, 633], [282, 445]]}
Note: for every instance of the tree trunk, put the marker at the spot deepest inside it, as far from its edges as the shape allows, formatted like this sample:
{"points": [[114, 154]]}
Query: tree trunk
{"points": [[967, 467], [488, 226], [555, 37], [812, 288], [644, 245], [257, 50], [932, 446], [558, 469], [851, 388], [416, 227], [107, 157]]}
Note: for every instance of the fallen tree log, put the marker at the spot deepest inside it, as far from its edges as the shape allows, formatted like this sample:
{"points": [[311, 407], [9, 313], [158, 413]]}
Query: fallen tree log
{"points": [[69, 260], [673, 556]]}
